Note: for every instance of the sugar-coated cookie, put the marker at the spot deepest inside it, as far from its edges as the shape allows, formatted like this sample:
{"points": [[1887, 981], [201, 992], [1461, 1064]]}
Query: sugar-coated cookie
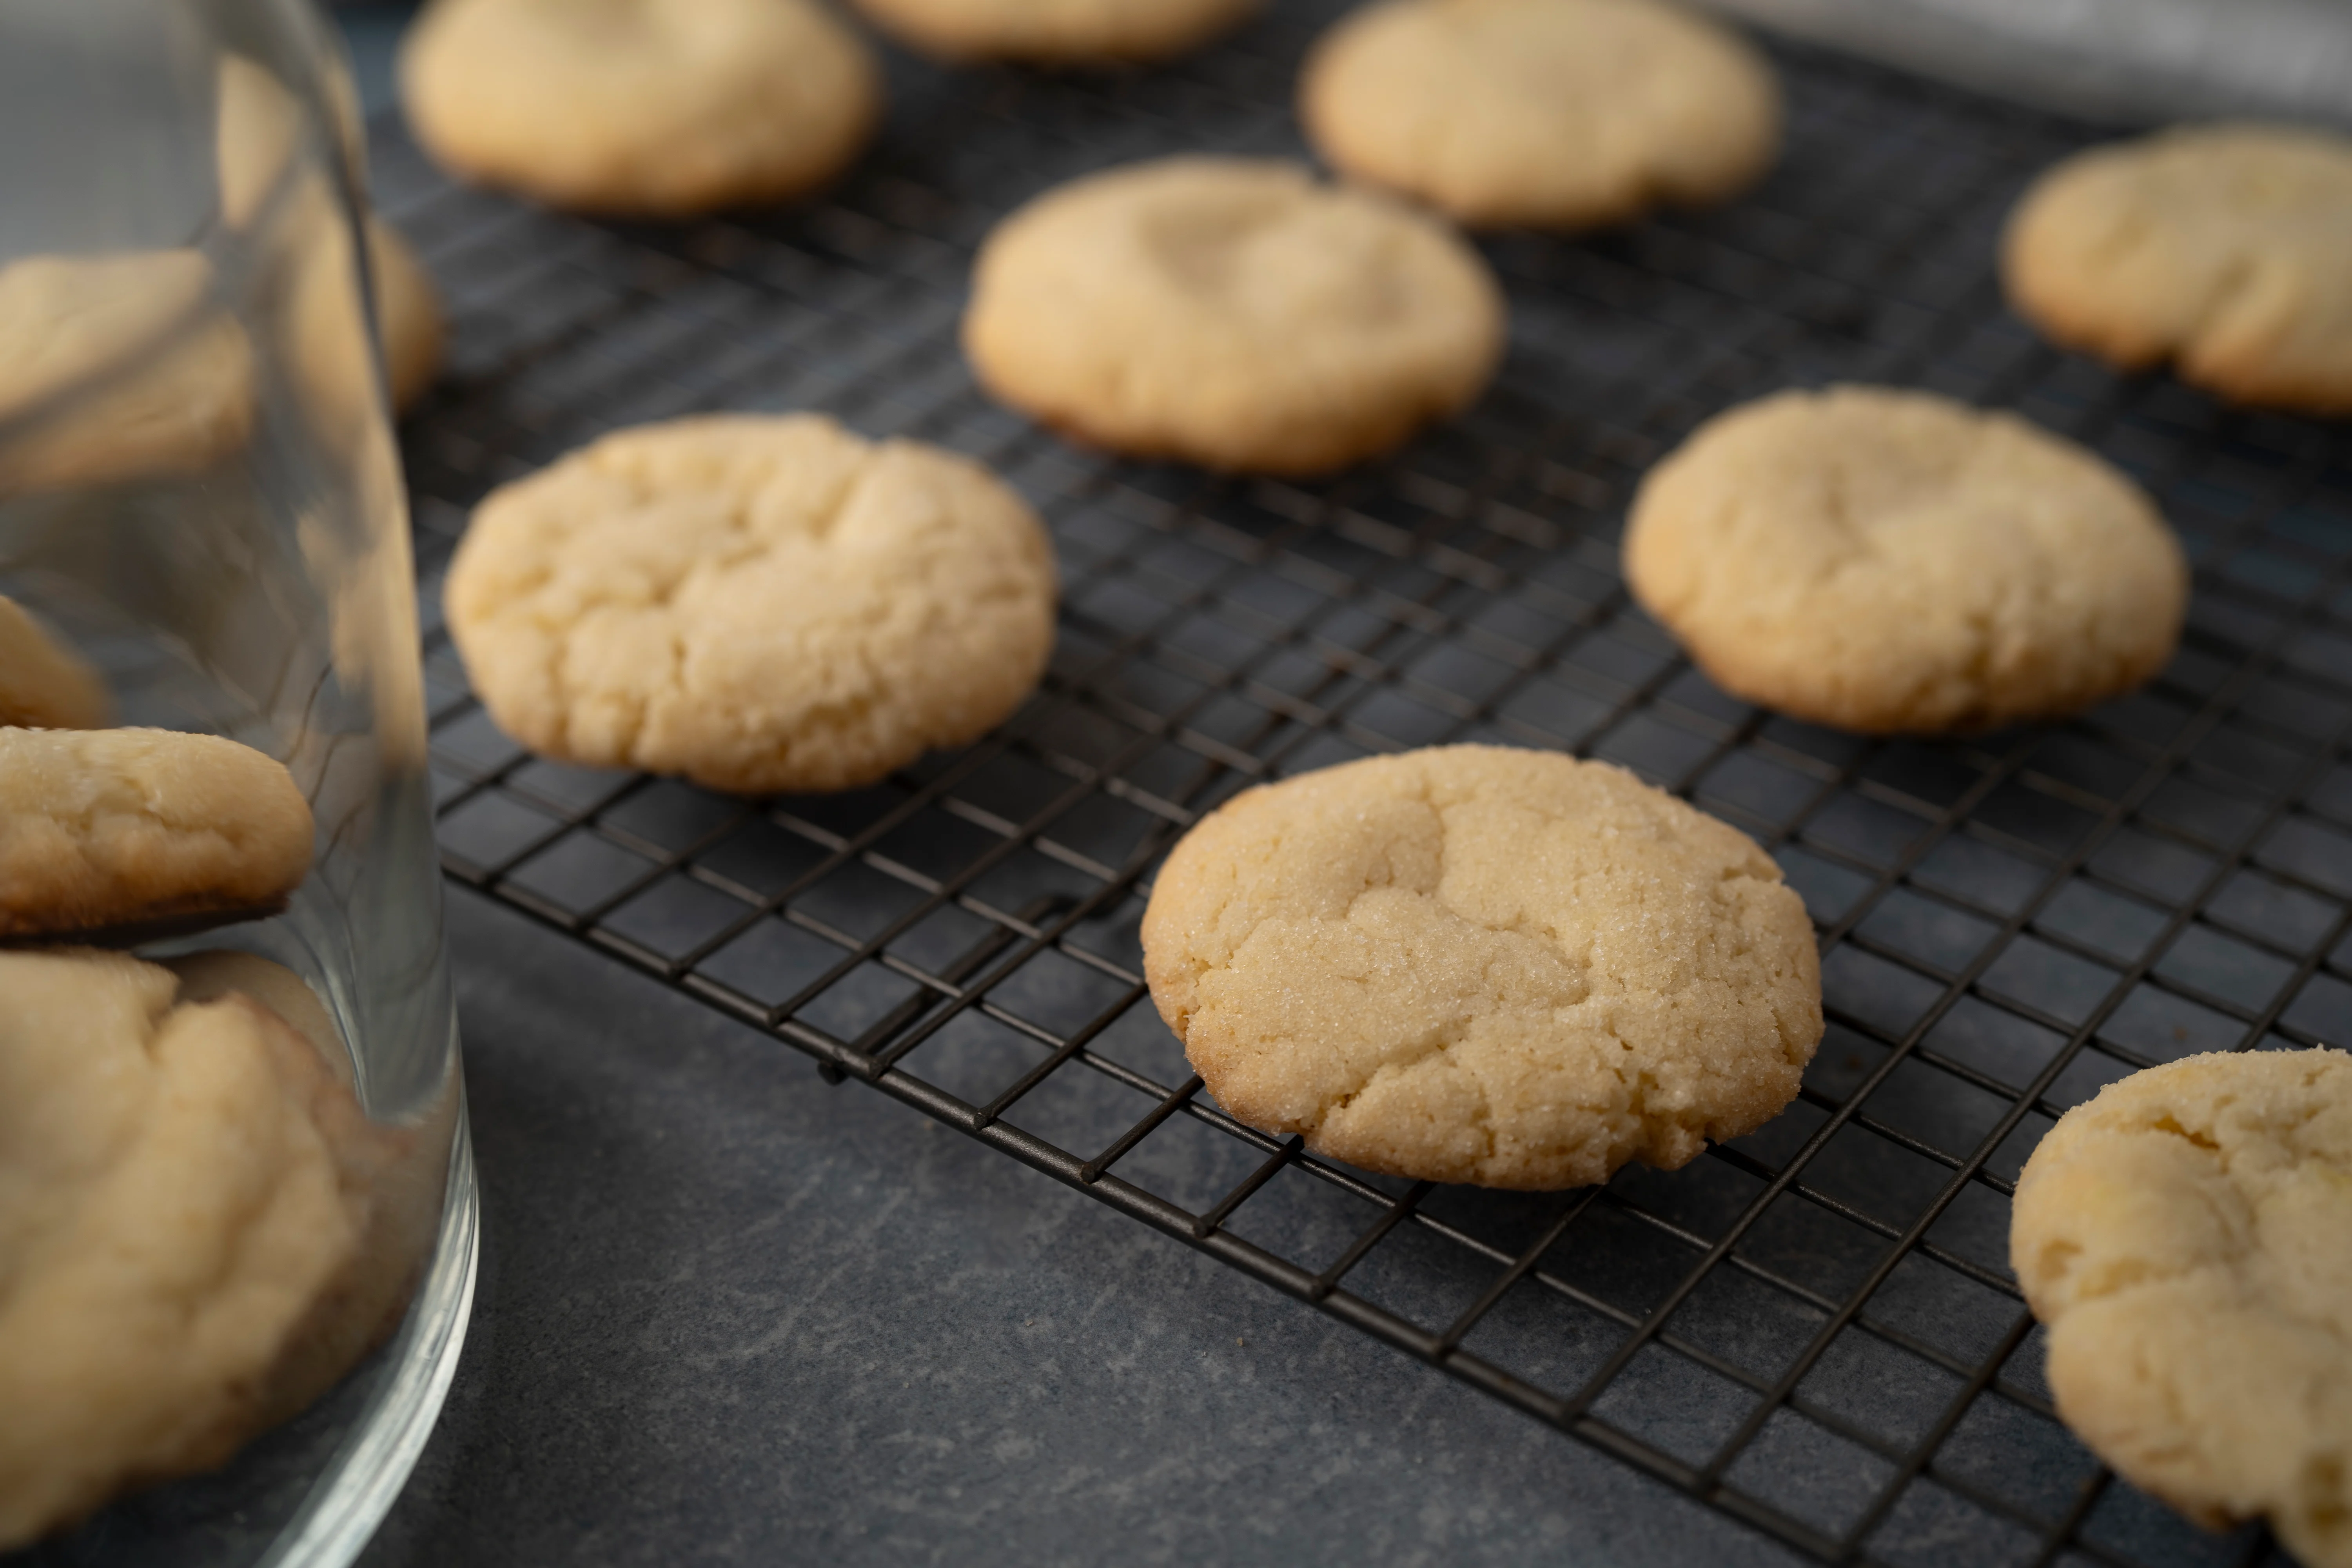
{"points": [[172, 376], [2187, 1239], [760, 602], [190, 1243], [1546, 113], [1892, 562], [1474, 963], [647, 108], [115, 831], [42, 684], [1057, 32], [1232, 312], [2224, 248]]}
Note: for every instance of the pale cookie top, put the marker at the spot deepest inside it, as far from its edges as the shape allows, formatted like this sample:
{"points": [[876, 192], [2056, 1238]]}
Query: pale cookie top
{"points": [[1232, 312], [1885, 561], [44, 684], [173, 377], [1480, 964], [108, 828], [645, 107], [1550, 113], [2226, 248], [2186, 1239], [1057, 32], [759, 603], [170, 1212]]}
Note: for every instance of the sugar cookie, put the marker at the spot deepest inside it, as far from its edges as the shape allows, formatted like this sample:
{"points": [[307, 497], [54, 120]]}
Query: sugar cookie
{"points": [[42, 684], [2186, 1239], [1231, 312], [1546, 113], [189, 1244], [1891, 562], [759, 603], [644, 108], [147, 379], [1480, 964], [1057, 32], [2224, 248], [116, 830]]}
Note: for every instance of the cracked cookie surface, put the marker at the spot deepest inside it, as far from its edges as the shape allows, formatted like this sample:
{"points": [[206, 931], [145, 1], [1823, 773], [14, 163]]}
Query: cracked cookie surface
{"points": [[1475, 964], [1232, 312], [759, 603], [105, 829], [1892, 562], [2224, 248], [1549, 114], [2187, 1239], [191, 1248]]}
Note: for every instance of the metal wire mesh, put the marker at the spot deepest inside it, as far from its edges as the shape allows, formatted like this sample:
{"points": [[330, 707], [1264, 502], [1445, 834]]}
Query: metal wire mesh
{"points": [[1813, 1329]]}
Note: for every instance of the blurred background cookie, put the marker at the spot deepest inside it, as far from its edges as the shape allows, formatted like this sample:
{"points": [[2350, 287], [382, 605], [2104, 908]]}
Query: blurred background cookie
{"points": [[2226, 249], [169, 377], [643, 108], [1895, 562], [2186, 1239], [113, 831], [759, 603], [1057, 32], [1476, 963], [1546, 113], [44, 685], [1231, 312]]}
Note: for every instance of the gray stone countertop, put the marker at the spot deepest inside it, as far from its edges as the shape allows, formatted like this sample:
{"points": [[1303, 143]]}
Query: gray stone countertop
{"points": [[728, 1313]]}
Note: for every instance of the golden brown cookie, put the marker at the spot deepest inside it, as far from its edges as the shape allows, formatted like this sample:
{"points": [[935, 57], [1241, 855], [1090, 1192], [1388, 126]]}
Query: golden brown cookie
{"points": [[2226, 249], [1232, 312], [760, 603], [1474, 963], [103, 831], [1892, 561], [1546, 113], [646, 108], [45, 685], [2186, 1239]]}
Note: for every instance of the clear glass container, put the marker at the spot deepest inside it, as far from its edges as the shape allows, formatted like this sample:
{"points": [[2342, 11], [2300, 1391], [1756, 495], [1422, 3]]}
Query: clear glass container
{"points": [[201, 504]]}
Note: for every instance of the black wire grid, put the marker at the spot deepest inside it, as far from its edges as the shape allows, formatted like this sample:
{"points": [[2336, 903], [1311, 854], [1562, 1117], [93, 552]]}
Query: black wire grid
{"points": [[1813, 1329]]}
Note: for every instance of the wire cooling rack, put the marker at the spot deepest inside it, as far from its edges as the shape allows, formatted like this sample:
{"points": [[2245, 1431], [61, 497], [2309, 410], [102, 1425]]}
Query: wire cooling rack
{"points": [[1813, 1329]]}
